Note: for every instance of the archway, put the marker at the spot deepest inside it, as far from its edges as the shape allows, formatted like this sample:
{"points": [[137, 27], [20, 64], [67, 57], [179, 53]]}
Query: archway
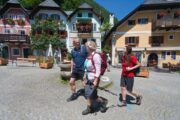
{"points": [[5, 52], [153, 59]]}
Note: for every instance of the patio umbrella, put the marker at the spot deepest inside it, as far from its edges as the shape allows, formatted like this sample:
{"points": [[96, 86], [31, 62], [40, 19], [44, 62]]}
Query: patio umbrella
{"points": [[50, 53]]}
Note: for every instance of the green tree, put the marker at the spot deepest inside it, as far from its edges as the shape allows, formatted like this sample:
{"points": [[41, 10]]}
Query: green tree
{"points": [[45, 32]]}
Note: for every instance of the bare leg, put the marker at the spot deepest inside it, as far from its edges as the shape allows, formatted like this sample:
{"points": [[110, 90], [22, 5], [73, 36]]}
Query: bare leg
{"points": [[123, 92], [72, 85]]}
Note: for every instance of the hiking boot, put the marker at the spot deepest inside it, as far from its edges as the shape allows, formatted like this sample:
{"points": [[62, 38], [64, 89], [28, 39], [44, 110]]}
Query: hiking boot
{"points": [[87, 110], [72, 97], [124, 104], [138, 100], [103, 107]]}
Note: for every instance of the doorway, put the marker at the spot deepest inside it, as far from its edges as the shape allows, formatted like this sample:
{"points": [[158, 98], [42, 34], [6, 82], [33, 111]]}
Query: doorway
{"points": [[26, 52], [153, 59]]}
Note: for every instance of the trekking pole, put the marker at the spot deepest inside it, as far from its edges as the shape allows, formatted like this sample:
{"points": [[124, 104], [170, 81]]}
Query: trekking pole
{"points": [[101, 88]]}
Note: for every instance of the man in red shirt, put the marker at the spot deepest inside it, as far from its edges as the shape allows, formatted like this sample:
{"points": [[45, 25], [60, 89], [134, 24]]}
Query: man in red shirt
{"points": [[129, 64]]}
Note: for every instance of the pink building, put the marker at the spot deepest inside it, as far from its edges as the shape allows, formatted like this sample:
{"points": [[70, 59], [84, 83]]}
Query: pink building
{"points": [[14, 30]]}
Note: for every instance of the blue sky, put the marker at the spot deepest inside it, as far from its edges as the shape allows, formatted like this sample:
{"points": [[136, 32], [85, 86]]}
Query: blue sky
{"points": [[119, 7]]}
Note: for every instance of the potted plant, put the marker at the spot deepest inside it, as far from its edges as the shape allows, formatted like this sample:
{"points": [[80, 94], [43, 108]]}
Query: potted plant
{"points": [[3, 61], [46, 63], [65, 67], [20, 22]]}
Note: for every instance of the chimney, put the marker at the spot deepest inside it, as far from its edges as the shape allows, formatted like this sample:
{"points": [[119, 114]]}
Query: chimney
{"points": [[111, 19]]}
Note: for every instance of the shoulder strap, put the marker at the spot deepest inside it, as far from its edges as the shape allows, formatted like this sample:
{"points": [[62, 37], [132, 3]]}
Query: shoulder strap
{"points": [[92, 60]]}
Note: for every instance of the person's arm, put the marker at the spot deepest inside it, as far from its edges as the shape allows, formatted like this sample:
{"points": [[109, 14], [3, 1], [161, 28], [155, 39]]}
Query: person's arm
{"points": [[136, 62], [97, 65], [72, 65]]}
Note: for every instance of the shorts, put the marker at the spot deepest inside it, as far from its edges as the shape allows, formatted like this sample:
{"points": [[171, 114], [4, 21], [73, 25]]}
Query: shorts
{"points": [[90, 91], [127, 82], [77, 75]]}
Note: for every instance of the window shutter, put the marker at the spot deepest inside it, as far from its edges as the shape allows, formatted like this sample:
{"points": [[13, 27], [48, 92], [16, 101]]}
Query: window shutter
{"points": [[150, 39], [162, 39], [137, 40], [126, 40]]}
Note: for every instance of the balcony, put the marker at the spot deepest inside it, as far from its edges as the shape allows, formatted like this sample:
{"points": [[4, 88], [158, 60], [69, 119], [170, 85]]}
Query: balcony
{"points": [[84, 27], [166, 24], [14, 38]]}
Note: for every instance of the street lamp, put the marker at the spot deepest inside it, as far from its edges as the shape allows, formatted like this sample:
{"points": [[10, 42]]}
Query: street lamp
{"points": [[113, 48]]}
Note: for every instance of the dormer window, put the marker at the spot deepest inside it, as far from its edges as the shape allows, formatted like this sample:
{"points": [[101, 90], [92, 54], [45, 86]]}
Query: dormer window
{"points": [[131, 22], [79, 15], [43, 16]]}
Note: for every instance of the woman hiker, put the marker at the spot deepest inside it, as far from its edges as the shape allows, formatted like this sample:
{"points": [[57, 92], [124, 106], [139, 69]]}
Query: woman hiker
{"points": [[129, 64], [92, 78]]}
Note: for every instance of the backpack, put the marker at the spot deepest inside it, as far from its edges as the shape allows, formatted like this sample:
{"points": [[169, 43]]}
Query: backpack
{"points": [[103, 62]]}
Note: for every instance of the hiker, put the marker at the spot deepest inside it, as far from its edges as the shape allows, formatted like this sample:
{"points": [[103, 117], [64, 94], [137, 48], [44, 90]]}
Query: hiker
{"points": [[79, 55], [108, 62], [129, 64], [92, 78]]}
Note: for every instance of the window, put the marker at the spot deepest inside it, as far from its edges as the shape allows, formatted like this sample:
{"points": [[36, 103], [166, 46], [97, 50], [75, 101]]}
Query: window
{"points": [[14, 17], [55, 17], [171, 37], [90, 15], [94, 40], [120, 55], [83, 41], [7, 31], [177, 15], [163, 55], [21, 32], [142, 20], [94, 27], [74, 27], [138, 56], [79, 15], [43, 16], [15, 51], [173, 55], [22, 17], [131, 22]]}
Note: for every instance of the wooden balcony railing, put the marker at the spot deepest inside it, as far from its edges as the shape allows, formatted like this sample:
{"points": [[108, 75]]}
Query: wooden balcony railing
{"points": [[14, 38], [166, 24]]}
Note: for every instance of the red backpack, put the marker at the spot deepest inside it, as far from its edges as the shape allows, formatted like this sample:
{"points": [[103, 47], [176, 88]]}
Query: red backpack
{"points": [[103, 62]]}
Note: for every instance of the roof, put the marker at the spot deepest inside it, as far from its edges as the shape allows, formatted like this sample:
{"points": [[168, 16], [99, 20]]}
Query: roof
{"points": [[9, 4], [85, 5], [147, 5], [160, 1], [46, 5], [13, 1], [68, 12], [49, 3]]}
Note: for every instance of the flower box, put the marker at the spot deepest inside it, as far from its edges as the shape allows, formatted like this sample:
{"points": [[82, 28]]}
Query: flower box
{"points": [[8, 21], [20, 22], [3, 61], [45, 65]]}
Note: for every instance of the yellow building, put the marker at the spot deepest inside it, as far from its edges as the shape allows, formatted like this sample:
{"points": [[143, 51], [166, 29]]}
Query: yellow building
{"points": [[152, 29]]}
